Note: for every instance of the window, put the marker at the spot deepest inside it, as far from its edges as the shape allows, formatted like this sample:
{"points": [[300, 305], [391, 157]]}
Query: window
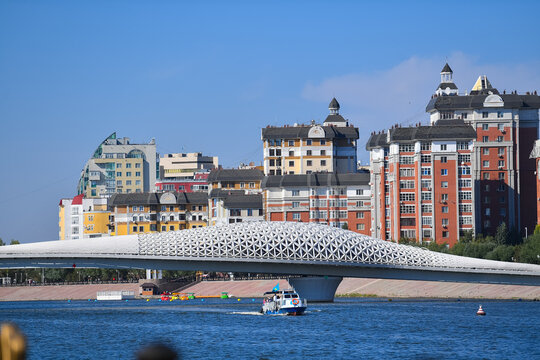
{"points": [[445, 234], [296, 216], [485, 138], [295, 192], [137, 165], [485, 126], [118, 173], [296, 204], [465, 158], [118, 182], [500, 127], [465, 208], [501, 176], [425, 146], [118, 165], [487, 211], [323, 152], [323, 162], [465, 195], [426, 184], [141, 208], [464, 183], [444, 222], [501, 163], [128, 182], [502, 212], [128, 173], [426, 195], [427, 208], [407, 221], [359, 215], [359, 203], [134, 228], [406, 197], [291, 152], [485, 176], [425, 158], [406, 184], [406, 148], [444, 172], [502, 199], [427, 220], [291, 163], [323, 142], [487, 223], [500, 151], [360, 226], [308, 142], [485, 163], [271, 152], [309, 163], [500, 114], [485, 151], [359, 191], [462, 145], [291, 142], [406, 172], [500, 139], [409, 234], [443, 147], [309, 152], [163, 228], [171, 228], [444, 197], [406, 160], [444, 184], [407, 209], [485, 115], [464, 170], [486, 187], [426, 171], [141, 228], [501, 187], [444, 159]]}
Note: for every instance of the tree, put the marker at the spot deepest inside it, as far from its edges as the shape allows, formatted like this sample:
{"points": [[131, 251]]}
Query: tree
{"points": [[502, 236], [345, 226], [14, 242], [2, 242]]}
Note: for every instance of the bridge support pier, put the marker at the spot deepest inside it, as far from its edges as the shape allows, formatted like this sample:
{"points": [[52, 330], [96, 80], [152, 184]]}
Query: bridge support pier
{"points": [[316, 288]]}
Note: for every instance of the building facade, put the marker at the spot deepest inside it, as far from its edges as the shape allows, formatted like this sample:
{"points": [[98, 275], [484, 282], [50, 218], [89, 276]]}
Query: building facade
{"points": [[535, 155], [184, 165], [118, 166], [306, 149], [157, 212], [506, 127], [339, 200], [197, 183], [421, 181], [81, 218]]}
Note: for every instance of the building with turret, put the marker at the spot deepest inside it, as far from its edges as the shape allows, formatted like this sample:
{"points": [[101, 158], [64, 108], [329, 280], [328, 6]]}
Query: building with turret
{"points": [[306, 149]]}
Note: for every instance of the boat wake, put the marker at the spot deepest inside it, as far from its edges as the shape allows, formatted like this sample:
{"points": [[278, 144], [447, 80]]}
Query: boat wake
{"points": [[245, 313]]}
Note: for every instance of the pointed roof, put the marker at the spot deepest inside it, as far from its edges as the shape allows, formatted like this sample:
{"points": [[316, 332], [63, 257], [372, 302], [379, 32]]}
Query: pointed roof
{"points": [[333, 104], [446, 68]]}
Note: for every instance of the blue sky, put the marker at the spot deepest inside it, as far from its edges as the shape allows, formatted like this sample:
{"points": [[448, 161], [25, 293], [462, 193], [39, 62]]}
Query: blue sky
{"points": [[208, 76]]}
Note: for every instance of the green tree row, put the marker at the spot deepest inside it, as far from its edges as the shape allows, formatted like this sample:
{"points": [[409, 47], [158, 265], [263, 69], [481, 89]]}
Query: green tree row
{"points": [[506, 245]]}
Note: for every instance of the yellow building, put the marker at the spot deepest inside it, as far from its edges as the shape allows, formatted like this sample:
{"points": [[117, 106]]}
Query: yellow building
{"points": [[157, 212], [81, 218], [306, 149]]}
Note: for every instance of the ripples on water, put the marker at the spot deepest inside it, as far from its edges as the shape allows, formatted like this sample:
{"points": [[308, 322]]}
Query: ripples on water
{"points": [[228, 329]]}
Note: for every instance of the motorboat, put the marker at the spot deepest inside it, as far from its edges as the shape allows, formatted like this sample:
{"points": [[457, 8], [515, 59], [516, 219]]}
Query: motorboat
{"points": [[283, 302]]}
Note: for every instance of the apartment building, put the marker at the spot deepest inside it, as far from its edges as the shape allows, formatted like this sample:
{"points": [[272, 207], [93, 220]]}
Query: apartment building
{"points": [[535, 155], [197, 183], [340, 200], [81, 218], [306, 149], [118, 166], [506, 127], [235, 196], [137, 213]]}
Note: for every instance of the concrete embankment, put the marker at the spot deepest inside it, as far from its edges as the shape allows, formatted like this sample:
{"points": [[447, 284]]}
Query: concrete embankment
{"points": [[61, 292], [255, 288]]}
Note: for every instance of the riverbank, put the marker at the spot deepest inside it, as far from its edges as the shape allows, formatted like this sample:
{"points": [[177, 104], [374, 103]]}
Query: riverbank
{"points": [[255, 288]]}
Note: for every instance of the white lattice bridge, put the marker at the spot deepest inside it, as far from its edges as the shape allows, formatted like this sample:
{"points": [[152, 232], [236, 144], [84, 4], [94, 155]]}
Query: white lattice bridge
{"points": [[268, 247]]}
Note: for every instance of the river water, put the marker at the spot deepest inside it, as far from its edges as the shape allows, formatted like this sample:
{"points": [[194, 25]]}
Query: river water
{"points": [[232, 329]]}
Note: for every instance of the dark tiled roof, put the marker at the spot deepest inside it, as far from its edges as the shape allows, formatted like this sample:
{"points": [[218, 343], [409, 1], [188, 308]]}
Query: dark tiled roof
{"points": [[334, 118], [446, 68], [235, 175], [301, 132], [376, 140], [333, 104], [319, 179], [222, 193], [442, 130], [253, 201], [469, 102], [445, 85], [153, 198]]}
